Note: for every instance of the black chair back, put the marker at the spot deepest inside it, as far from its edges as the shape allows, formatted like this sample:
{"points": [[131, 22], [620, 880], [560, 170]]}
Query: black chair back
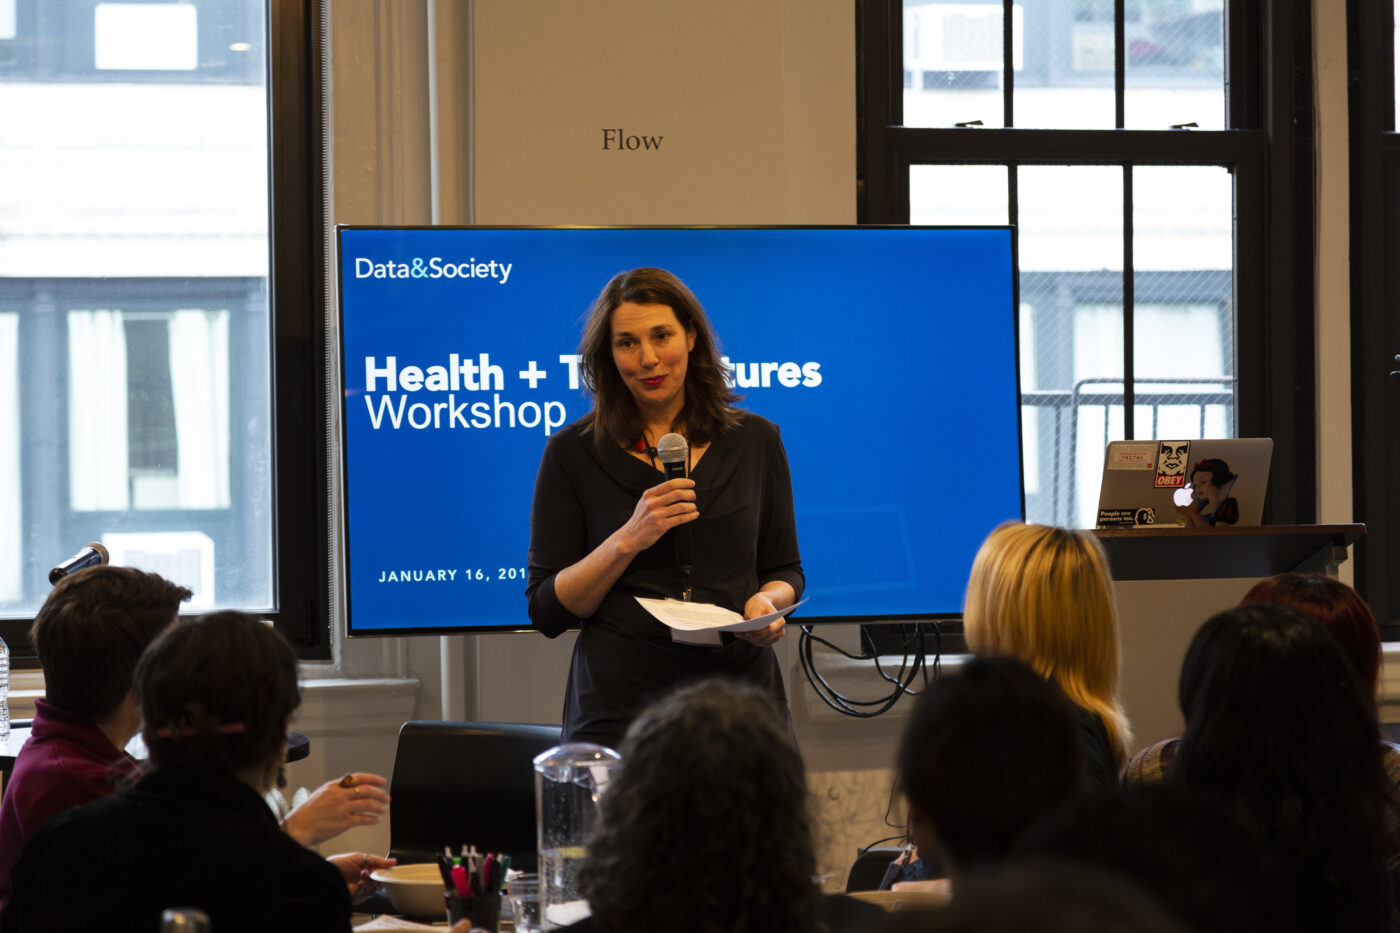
{"points": [[868, 870], [466, 783]]}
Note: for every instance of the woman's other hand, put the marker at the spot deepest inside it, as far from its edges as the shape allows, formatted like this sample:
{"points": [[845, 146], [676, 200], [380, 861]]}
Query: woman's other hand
{"points": [[661, 508], [358, 799], [760, 604], [355, 868]]}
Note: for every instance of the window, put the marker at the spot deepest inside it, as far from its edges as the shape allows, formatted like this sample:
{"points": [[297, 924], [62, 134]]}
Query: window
{"points": [[1130, 145], [138, 337]]}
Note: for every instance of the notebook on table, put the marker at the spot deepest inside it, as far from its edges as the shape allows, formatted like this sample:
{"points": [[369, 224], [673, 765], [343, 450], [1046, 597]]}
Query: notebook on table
{"points": [[1189, 483]]}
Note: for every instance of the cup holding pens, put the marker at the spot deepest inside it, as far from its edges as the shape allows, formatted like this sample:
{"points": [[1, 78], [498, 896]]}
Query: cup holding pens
{"points": [[483, 910]]}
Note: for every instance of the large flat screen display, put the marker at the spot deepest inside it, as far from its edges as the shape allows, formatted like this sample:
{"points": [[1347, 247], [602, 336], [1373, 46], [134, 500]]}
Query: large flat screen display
{"points": [[886, 355]]}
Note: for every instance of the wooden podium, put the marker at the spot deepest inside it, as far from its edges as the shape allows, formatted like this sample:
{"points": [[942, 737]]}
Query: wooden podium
{"points": [[1169, 580]]}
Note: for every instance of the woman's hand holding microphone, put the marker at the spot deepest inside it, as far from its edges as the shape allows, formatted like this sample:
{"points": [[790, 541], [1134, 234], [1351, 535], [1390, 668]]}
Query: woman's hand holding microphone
{"points": [[661, 508]]}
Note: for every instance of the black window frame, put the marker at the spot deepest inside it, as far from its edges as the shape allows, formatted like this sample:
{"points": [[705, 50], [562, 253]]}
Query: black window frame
{"points": [[299, 291], [1269, 146], [1374, 148]]}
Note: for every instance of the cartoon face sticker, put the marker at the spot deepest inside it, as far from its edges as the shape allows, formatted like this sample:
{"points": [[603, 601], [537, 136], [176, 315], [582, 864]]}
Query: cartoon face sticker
{"points": [[1171, 463]]}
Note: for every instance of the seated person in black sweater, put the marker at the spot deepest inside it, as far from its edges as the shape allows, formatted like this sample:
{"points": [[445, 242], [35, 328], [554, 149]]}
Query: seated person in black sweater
{"points": [[1279, 724], [988, 750], [1046, 897], [216, 696], [89, 635], [1196, 855]]}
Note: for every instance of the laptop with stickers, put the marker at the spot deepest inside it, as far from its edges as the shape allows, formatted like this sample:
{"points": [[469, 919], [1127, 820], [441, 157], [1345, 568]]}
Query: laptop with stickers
{"points": [[1190, 483]]}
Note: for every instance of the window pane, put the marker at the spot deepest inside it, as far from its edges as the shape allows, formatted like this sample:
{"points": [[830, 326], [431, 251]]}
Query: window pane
{"points": [[1063, 62], [148, 410], [1067, 81], [1071, 253], [953, 62], [1175, 64], [1183, 320], [955, 195], [133, 297], [146, 37]]}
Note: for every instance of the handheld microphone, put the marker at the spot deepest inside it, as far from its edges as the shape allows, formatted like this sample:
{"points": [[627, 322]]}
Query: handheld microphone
{"points": [[91, 555], [673, 451]]}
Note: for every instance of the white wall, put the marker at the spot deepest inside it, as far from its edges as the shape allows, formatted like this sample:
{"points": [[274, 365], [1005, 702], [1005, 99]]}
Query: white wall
{"points": [[750, 105]]}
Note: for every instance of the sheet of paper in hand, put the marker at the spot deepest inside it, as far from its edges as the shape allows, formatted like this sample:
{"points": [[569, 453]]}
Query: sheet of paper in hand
{"points": [[701, 623]]}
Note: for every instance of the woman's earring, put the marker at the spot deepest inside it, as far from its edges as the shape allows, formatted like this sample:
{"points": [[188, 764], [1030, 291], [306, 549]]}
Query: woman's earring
{"points": [[281, 776]]}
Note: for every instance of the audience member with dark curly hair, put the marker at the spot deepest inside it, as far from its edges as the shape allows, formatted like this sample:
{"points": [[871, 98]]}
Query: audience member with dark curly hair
{"points": [[705, 825], [1279, 724]]}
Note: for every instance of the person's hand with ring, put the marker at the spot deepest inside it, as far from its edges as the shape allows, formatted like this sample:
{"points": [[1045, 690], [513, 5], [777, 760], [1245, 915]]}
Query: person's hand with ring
{"points": [[357, 799]]}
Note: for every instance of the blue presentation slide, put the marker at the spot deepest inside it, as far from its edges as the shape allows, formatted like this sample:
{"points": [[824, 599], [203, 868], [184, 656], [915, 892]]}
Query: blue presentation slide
{"points": [[886, 355]]}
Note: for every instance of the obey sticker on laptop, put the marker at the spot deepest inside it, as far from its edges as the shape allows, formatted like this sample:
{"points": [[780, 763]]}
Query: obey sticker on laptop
{"points": [[1171, 463]]}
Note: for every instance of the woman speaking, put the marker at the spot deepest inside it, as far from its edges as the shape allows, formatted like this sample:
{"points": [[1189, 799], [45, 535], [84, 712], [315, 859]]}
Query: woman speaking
{"points": [[604, 515]]}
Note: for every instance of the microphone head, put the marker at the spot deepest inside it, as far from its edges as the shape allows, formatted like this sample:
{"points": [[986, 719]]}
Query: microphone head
{"points": [[92, 555], [672, 448]]}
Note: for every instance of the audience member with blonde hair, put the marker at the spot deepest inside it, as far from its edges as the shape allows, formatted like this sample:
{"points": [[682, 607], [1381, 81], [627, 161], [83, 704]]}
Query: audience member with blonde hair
{"points": [[1043, 594]]}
